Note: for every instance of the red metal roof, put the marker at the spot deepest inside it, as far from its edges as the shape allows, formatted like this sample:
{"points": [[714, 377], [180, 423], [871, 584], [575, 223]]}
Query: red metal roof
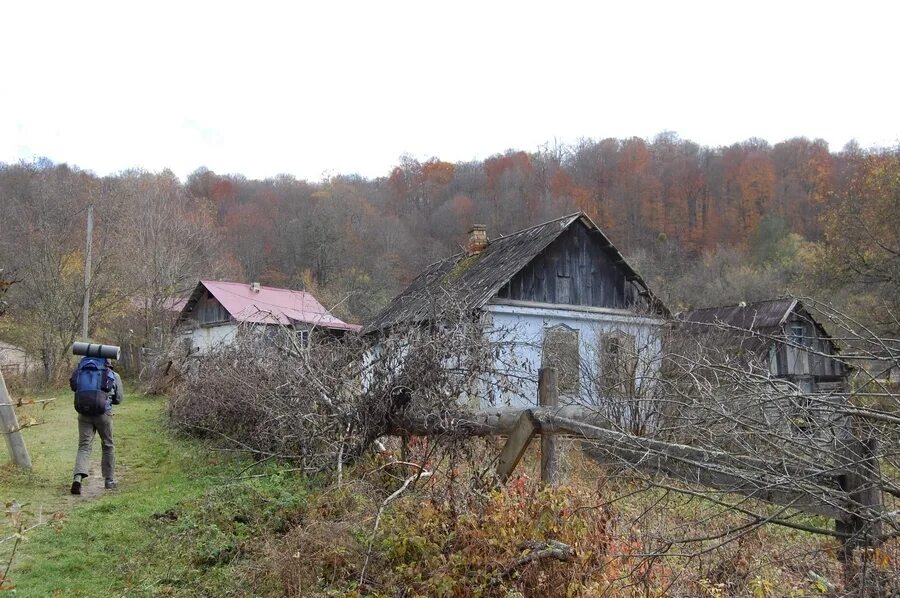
{"points": [[270, 305]]}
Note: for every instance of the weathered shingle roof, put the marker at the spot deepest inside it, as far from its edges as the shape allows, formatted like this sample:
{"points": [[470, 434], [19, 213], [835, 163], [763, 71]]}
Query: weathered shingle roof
{"points": [[760, 316], [750, 326], [266, 305], [470, 282]]}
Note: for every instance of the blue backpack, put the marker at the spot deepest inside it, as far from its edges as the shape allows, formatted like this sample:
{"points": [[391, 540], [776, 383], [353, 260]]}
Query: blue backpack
{"points": [[92, 381]]}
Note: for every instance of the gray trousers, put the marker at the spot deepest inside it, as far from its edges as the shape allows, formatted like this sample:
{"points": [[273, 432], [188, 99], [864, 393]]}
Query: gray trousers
{"points": [[102, 425]]}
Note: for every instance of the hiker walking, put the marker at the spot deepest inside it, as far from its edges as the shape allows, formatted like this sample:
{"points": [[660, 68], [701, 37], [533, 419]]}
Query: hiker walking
{"points": [[97, 388]]}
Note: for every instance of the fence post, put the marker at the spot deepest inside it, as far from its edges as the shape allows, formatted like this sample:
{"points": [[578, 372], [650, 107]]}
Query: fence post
{"points": [[548, 396], [864, 490], [18, 453], [516, 445]]}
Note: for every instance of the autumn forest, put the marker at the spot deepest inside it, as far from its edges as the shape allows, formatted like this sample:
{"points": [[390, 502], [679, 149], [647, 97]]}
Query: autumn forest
{"points": [[704, 225]]}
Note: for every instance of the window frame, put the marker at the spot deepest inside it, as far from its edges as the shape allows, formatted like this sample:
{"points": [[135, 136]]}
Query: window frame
{"points": [[213, 313], [798, 339], [613, 363], [565, 338]]}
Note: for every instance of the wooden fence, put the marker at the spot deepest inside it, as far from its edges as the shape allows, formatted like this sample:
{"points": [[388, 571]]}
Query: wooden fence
{"points": [[850, 493]]}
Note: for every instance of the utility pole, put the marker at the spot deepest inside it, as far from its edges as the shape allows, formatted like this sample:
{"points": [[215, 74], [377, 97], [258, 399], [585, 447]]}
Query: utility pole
{"points": [[86, 308]]}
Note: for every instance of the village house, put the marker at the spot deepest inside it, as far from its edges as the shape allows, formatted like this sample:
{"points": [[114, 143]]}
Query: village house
{"points": [[217, 311], [783, 336], [562, 295], [14, 361]]}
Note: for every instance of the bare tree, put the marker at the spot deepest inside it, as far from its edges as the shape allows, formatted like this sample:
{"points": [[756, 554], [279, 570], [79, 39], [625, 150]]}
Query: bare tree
{"points": [[6, 281], [729, 431], [43, 240], [166, 242]]}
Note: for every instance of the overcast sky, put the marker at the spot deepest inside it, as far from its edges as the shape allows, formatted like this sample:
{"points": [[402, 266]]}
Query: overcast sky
{"points": [[319, 88]]}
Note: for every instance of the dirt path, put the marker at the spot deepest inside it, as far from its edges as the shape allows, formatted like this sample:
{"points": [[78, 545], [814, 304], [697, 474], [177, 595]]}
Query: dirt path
{"points": [[92, 486], [45, 490], [64, 501]]}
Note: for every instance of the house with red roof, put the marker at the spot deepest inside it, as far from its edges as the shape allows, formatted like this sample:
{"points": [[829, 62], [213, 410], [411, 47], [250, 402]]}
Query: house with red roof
{"points": [[217, 310]]}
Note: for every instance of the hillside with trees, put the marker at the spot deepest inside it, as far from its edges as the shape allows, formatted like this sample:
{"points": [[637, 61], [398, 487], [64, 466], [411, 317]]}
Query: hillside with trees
{"points": [[275, 466], [704, 225]]}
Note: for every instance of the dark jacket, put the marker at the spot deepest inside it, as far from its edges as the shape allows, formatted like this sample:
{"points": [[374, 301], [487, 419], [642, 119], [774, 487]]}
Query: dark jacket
{"points": [[116, 395]]}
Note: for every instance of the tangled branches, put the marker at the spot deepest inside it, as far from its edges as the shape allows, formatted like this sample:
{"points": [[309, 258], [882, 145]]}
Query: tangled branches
{"points": [[324, 402], [694, 423]]}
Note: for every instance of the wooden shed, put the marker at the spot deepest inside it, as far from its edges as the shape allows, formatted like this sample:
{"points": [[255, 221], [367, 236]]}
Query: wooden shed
{"points": [[784, 335]]}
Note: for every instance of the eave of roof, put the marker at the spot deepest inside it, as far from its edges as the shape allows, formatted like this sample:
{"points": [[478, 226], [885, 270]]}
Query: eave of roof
{"points": [[768, 314], [763, 319]]}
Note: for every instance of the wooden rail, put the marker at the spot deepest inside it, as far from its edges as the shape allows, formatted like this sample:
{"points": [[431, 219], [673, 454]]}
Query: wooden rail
{"points": [[851, 495], [848, 492]]}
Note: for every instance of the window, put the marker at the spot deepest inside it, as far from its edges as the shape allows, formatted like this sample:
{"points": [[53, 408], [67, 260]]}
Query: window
{"points": [[561, 351], [303, 337], [618, 363], [802, 419], [563, 279], [798, 336], [773, 359], [563, 285]]}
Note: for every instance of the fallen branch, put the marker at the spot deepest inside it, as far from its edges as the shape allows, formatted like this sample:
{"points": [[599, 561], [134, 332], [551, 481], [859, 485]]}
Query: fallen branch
{"points": [[18, 535], [22, 403], [540, 550], [22, 427], [413, 478]]}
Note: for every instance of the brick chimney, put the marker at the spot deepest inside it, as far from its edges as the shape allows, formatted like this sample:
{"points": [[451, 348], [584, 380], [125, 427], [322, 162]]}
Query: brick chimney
{"points": [[477, 239]]}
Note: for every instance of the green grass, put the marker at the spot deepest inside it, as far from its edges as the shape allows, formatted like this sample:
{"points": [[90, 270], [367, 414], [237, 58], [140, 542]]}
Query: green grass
{"points": [[183, 523], [142, 458], [179, 524]]}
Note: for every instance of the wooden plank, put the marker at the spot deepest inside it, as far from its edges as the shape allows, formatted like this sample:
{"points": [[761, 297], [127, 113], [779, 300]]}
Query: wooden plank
{"points": [[828, 502], [779, 482], [864, 490], [594, 429], [719, 471], [516, 445], [572, 419], [548, 397]]}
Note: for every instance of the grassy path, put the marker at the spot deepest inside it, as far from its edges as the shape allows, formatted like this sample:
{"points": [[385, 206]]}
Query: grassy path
{"points": [[105, 543], [187, 521], [52, 445]]}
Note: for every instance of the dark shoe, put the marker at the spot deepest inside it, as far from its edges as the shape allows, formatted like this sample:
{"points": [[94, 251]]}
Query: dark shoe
{"points": [[76, 488], [110, 485]]}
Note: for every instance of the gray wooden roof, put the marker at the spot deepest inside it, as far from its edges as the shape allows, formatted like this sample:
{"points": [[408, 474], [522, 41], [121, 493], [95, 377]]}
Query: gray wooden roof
{"points": [[762, 316], [750, 326], [469, 282]]}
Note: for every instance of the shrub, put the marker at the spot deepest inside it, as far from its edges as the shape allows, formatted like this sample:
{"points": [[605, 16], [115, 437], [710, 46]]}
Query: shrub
{"points": [[489, 546]]}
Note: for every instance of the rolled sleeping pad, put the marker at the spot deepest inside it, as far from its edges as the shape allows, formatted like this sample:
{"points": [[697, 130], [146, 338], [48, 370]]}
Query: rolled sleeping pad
{"points": [[96, 350]]}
